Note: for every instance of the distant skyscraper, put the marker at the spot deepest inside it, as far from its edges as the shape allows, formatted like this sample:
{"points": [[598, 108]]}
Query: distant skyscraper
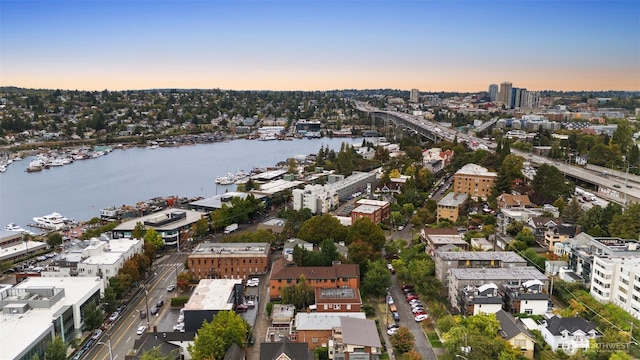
{"points": [[504, 96], [415, 95], [493, 92], [518, 98], [533, 99]]}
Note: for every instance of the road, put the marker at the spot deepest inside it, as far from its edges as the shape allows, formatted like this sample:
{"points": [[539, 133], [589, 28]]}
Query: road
{"points": [[122, 333]]}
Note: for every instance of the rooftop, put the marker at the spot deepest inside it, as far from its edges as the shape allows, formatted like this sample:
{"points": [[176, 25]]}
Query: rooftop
{"points": [[323, 320], [366, 209], [282, 269], [363, 332], [475, 170], [158, 217], [213, 294], [506, 274], [453, 199], [230, 249], [277, 186], [372, 202], [217, 201], [504, 256]]}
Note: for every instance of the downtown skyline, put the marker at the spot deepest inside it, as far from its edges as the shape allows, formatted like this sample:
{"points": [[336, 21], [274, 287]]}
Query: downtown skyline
{"points": [[311, 45]]}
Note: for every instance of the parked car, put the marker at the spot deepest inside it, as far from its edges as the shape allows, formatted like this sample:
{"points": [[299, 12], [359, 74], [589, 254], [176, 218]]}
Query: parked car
{"points": [[421, 317], [96, 334], [114, 316], [250, 303], [141, 330], [391, 326], [143, 313], [160, 303], [396, 316], [154, 310], [178, 327], [241, 307], [171, 287], [253, 282], [392, 331]]}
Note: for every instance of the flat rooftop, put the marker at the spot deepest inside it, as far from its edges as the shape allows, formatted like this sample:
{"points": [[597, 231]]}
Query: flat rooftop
{"points": [[269, 175], [231, 249], [216, 202], [366, 209], [504, 256], [453, 199], [372, 202], [22, 330], [475, 170], [506, 274], [191, 217], [446, 239], [212, 294], [323, 320], [277, 186]]}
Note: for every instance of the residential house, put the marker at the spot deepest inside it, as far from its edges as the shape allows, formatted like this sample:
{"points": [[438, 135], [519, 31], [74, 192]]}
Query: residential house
{"points": [[284, 273], [525, 298], [171, 344], [541, 224], [285, 351], [483, 299], [450, 206], [291, 244], [437, 238], [559, 234], [355, 339], [509, 201], [516, 334], [568, 334], [317, 329]]}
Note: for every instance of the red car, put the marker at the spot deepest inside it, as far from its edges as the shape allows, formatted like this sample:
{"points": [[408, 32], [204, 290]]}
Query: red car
{"points": [[411, 297], [241, 308]]}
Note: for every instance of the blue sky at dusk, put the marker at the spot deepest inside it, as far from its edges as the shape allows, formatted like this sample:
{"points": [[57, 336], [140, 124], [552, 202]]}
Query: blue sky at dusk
{"points": [[320, 45]]}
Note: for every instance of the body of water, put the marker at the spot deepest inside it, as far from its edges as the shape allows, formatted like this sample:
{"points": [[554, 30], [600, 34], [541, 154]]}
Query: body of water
{"points": [[124, 177]]}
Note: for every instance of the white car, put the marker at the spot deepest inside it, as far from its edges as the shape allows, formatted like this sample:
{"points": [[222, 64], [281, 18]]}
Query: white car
{"points": [[392, 331], [141, 330], [178, 327], [253, 282], [421, 317]]}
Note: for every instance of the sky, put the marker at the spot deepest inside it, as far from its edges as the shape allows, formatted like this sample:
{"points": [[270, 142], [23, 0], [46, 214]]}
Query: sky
{"points": [[447, 45]]}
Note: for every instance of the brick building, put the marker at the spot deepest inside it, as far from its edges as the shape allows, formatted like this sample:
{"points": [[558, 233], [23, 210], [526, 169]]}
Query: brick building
{"points": [[228, 260], [474, 180], [338, 300], [284, 273]]}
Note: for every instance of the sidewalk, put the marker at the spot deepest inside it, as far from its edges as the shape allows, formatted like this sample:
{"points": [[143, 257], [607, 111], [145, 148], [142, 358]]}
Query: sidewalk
{"points": [[383, 329]]}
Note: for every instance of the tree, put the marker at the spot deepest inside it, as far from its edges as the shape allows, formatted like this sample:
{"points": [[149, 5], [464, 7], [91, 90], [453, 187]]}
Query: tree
{"points": [[56, 350], [184, 278], [322, 227], [328, 252], [623, 136], [54, 239], [300, 295], [367, 230], [216, 336], [550, 183], [377, 279], [152, 237], [110, 298], [92, 316], [138, 231], [201, 227], [403, 340], [360, 252], [155, 354], [626, 224], [526, 236], [572, 212]]}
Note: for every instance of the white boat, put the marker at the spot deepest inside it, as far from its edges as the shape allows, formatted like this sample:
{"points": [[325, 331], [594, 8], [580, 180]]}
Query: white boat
{"points": [[267, 137], [3, 168], [227, 179], [13, 227], [53, 221]]}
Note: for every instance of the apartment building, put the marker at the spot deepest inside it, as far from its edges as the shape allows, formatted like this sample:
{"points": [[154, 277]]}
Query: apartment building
{"points": [[338, 300], [228, 260], [445, 260], [474, 180], [284, 273], [439, 239], [450, 206], [617, 280]]}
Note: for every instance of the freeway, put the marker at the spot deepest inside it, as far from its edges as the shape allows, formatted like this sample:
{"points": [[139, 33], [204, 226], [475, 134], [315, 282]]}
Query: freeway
{"points": [[616, 186], [120, 337]]}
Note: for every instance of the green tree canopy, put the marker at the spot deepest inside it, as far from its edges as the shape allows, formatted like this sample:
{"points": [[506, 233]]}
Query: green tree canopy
{"points": [[300, 295], [403, 340], [322, 227], [216, 336], [152, 237], [56, 350], [92, 316], [626, 224], [139, 231], [377, 278], [550, 184], [366, 230]]}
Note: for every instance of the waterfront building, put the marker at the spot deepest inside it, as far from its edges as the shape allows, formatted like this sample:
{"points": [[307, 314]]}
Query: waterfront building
{"points": [[14, 247], [38, 309], [228, 260], [169, 223], [474, 180], [217, 201]]}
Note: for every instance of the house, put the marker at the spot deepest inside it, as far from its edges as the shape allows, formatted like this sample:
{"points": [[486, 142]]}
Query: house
{"points": [[526, 298], [450, 206], [474, 300], [559, 234], [317, 329], [284, 273], [285, 351], [568, 334], [172, 344], [338, 300], [508, 201], [516, 334], [355, 339], [291, 244], [541, 224], [437, 238]]}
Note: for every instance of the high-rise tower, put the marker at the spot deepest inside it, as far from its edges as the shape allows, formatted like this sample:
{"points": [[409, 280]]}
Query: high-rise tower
{"points": [[504, 96], [414, 96], [493, 92]]}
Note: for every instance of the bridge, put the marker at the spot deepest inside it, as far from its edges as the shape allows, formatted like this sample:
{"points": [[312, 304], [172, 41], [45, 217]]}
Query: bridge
{"points": [[615, 186]]}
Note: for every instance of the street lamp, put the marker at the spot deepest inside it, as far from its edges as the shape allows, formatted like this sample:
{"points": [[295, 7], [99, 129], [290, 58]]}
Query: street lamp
{"points": [[146, 303], [108, 343]]}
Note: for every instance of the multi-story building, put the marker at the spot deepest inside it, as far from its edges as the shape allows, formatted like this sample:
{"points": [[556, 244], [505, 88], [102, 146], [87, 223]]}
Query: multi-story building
{"points": [[317, 329], [284, 273], [504, 95], [210, 297], [38, 309], [450, 206], [526, 298], [338, 300], [415, 95], [14, 247], [437, 239], [445, 260], [508, 216], [617, 280], [493, 92], [474, 180], [568, 334], [462, 278], [228, 260], [317, 198], [355, 339], [483, 299], [169, 223]]}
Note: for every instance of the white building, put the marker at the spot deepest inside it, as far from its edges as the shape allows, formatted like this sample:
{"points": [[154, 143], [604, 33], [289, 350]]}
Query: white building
{"points": [[568, 334], [38, 309], [617, 280], [317, 198], [101, 258]]}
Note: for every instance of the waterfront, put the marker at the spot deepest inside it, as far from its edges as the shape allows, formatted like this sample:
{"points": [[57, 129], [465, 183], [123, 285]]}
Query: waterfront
{"points": [[124, 177]]}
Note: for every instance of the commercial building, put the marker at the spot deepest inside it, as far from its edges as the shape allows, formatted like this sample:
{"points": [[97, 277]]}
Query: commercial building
{"points": [[414, 96], [217, 201], [474, 180], [169, 223], [504, 95], [210, 297], [450, 206], [14, 247], [356, 182], [493, 92], [338, 300], [284, 273], [38, 309], [445, 260], [228, 260]]}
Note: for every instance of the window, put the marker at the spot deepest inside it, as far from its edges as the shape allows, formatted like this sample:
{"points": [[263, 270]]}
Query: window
{"points": [[336, 306], [314, 340]]}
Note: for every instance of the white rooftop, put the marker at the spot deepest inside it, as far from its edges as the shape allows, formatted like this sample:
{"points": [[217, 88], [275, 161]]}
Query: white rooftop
{"points": [[514, 273], [276, 186], [212, 294], [323, 320], [473, 169], [507, 256]]}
